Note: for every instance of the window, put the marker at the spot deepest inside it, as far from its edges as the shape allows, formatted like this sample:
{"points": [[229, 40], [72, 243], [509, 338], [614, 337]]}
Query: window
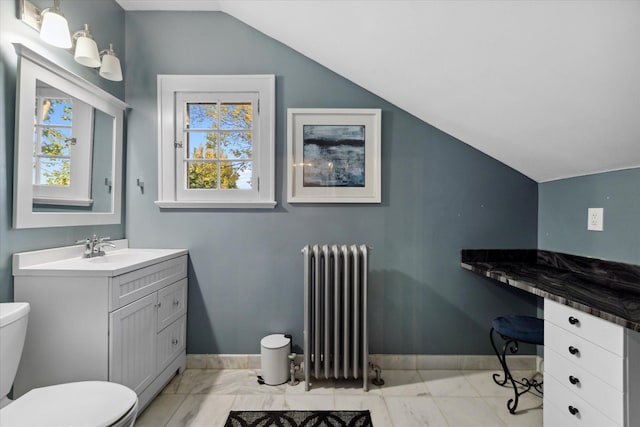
{"points": [[216, 141], [62, 143]]}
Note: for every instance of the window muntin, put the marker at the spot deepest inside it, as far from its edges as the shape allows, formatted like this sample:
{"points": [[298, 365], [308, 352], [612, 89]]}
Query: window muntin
{"points": [[219, 145]]}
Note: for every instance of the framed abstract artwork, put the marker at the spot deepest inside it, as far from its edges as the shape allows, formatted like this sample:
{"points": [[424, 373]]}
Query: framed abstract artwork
{"points": [[333, 155]]}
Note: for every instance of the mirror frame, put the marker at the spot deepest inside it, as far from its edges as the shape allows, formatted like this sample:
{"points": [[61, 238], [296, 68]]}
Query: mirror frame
{"points": [[31, 67]]}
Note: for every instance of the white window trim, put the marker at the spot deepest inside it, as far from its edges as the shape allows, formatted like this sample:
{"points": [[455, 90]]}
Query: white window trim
{"points": [[168, 87]]}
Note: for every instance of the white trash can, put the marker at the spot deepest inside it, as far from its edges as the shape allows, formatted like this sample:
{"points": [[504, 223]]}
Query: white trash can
{"points": [[274, 352]]}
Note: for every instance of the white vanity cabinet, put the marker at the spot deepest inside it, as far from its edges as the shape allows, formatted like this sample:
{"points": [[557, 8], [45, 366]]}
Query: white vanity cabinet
{"points": [[113, 320], [591, 370]]}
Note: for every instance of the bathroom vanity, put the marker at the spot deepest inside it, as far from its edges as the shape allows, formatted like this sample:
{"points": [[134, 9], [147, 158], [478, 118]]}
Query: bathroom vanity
{"points": [[119, 317], [591, 331]]}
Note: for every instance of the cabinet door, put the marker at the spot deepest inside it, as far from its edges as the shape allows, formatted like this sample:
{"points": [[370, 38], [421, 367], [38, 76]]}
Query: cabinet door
{"points": [[132, 343]]}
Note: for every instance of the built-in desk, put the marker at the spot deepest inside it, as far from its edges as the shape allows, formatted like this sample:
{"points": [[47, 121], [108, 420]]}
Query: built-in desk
{"points": [[592, 347], [610, 290]]}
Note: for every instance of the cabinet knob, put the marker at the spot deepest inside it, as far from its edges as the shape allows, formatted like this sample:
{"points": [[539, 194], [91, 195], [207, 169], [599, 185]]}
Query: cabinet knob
{"points": [[573, 380], [573, 410], [573, 320], [158, 304], [176, 302], [573, 350], [174, 341]]}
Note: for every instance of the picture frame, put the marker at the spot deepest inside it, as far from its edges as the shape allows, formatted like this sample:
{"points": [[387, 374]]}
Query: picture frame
{"points": [[333, 155]]}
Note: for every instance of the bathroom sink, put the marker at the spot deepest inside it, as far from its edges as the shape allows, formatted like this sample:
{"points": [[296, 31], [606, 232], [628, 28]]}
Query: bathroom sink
{"points": [[69, 261], [122, 257]]}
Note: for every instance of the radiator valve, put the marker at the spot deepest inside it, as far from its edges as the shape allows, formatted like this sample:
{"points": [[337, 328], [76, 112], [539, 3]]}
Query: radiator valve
{"points": [[377, 370], [293, 368]]}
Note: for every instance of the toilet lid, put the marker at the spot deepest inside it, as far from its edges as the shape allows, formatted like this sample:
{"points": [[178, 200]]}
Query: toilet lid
{"points": [[87, 403]]}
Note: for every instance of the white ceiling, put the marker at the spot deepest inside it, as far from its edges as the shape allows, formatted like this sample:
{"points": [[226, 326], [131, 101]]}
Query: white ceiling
{"points": [[550, 88]]}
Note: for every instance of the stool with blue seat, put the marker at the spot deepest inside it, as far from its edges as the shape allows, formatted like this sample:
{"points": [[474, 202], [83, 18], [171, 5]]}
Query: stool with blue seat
{"points": [[513, 330]]}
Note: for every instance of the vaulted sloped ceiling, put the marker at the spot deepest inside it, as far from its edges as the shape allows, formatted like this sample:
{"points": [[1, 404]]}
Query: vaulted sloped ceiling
{"points": [[550, 88]]}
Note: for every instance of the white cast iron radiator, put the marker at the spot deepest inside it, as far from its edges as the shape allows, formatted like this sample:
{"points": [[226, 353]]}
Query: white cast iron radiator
{"points": [[335, 312]]}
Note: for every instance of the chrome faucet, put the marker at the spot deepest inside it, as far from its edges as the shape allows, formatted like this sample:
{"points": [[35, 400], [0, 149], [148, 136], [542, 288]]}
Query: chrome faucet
{"points": [[93, 246]]}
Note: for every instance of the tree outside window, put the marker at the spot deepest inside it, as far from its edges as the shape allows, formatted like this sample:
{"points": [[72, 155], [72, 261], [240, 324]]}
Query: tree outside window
{"points": [[52, 141], [219, 144]]}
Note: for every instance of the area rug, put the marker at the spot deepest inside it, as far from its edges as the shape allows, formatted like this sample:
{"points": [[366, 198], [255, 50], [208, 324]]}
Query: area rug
{"points": [[299, 419]]}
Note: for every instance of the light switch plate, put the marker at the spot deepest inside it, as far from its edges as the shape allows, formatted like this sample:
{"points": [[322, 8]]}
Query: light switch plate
{"points": [[595, 219]]}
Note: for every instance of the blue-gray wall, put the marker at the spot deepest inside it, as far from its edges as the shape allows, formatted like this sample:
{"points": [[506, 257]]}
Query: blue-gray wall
{"points": [[106, 19], [439, 195], [562, 218], [101, 169]]}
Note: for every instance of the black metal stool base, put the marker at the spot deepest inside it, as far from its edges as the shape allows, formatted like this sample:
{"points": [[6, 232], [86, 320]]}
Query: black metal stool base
{"points": [[526, 384]]}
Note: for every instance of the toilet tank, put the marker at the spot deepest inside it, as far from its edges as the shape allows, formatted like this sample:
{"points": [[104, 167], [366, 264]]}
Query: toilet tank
{"points": [[13, 329]]}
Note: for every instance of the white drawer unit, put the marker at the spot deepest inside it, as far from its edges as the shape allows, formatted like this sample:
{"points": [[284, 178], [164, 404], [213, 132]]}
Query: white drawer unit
{"points": [[171, 342], [120, 323], [571, 410], [599, 331], [591, 370], [585, 385], [172, 303], [586, 355]]}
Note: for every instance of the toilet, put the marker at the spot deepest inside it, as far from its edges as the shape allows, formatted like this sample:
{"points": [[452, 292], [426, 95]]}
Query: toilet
{"points": [[85, 403]]}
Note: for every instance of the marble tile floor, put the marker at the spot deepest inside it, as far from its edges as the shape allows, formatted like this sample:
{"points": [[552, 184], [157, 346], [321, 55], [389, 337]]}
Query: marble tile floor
{"points": [[204, 397]]}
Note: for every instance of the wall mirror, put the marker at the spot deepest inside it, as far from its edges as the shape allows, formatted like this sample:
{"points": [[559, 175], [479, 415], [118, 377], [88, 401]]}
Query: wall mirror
{"points": [[68, 164]]}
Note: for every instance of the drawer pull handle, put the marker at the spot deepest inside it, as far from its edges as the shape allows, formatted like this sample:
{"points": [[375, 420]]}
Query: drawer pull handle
{"points": [[573, 410], [573, 320], [573, 350], [573, 380], [174, 341]]}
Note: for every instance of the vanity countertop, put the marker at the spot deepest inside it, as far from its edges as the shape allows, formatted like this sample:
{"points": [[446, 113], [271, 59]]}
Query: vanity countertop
{"points": [[68, 260], [610, 290]]}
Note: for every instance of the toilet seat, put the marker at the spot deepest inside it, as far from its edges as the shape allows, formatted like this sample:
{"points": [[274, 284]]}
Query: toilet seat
{"points": [[87, 403]]}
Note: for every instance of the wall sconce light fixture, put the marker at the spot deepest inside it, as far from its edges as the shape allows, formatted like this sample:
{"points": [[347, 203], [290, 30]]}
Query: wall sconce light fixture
{"points": [[54, 29], [110, 68], [86, 51]]}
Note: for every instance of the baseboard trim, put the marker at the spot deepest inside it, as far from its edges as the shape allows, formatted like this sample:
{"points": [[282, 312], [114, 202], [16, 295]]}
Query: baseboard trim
{"points": [[540, 364], [385, 361]]}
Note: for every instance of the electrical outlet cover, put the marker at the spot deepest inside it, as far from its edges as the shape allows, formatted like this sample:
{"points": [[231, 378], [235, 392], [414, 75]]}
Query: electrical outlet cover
{"points": [[595, 219]]}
